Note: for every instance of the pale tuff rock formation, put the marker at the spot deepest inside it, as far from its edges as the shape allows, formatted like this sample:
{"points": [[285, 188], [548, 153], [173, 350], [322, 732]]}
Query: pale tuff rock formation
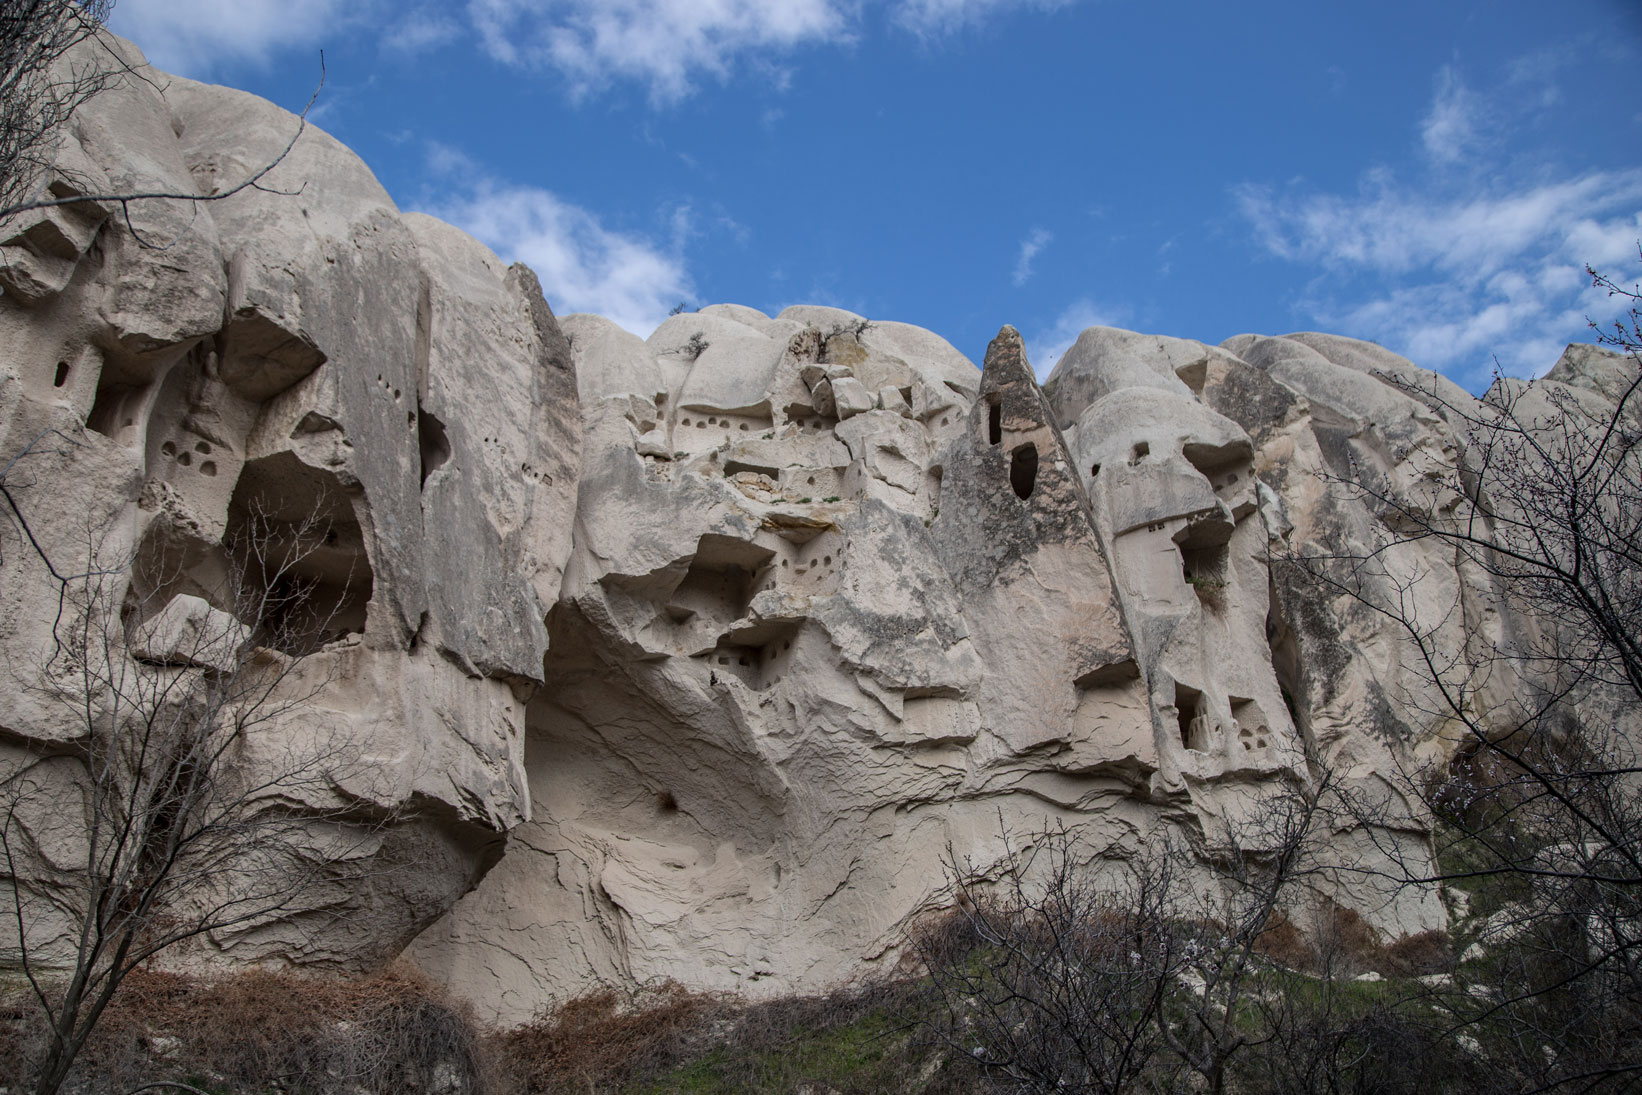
{"points": [[729, 634], [803, 648], [372, 392]]}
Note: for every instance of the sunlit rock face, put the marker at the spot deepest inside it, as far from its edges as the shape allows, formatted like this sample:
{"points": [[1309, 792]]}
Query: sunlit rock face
{"points": [[840, 602], [371, 393], [698, 655]]}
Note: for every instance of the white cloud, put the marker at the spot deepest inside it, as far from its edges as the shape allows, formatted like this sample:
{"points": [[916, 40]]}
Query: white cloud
{"points": [[932, 17], [420, 31], [196, 37], [1395, 229], [671, 45], [668, 44], [583, 266], [1044, 348], [1456, 267], [1030, 246], [1450, 128], [1451, 280]]}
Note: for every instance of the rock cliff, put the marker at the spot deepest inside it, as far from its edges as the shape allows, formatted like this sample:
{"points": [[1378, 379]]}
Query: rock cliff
{"points": [[694, 655]]}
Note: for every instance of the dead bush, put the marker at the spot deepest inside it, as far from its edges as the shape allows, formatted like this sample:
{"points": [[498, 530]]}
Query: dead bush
{"points": [[1350, 941], [262, 1031], [1283, 942], [854, 1039], [1420, 953], [602, 1039], [391, 1032]]}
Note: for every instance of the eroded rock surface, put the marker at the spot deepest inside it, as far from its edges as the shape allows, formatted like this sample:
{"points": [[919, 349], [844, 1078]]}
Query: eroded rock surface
{"points": [[696, 655], [385, 409]]}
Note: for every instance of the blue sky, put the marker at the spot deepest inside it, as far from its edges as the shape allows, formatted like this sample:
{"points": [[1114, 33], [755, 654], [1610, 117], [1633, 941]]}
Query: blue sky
{"points": [[1433, 176]]}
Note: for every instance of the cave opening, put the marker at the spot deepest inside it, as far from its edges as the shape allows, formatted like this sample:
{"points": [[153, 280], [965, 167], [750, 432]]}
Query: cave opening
{"points": [[299, 550], [433, 442], [1194, 721], [1023, 469]]}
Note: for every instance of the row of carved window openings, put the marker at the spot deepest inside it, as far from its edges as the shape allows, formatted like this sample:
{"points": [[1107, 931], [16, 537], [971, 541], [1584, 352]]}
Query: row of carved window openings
{"points": [[1197, 725], [1023, 458]]}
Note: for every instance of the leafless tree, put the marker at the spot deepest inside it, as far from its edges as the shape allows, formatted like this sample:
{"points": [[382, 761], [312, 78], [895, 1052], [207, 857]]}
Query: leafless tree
{"points": [[1260, 870], [42, 84], [189, 791], [1061, 972], [1047, 980], [1540, 808], [53, 61]]}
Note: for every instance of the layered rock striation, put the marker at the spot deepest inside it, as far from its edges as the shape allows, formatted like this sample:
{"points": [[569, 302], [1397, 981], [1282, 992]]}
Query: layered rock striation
{"points": [[701, 655]]}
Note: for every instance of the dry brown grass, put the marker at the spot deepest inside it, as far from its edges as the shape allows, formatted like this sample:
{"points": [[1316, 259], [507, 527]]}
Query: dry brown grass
{"points": [[261, 1031], [392, 1031], [1282, 941], [605, 1038], [1349, 945], [854, 1039]]}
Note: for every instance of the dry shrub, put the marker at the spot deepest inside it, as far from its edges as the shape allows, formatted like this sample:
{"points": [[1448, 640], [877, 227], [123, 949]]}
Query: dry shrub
{"points": [[1352, 942], [1360, 947], [1347, 944], [260, 1031], [1282, 941], [607, 1037], [853, 1039], [945, 935], [308, 1036], [1420, 953]]}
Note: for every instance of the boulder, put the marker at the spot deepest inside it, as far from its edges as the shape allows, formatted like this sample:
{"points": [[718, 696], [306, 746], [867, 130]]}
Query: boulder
{"points": [[189, 632]]}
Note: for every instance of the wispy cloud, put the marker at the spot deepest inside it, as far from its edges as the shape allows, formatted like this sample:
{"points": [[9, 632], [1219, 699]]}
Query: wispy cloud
{"points": [[199, 37], [932, 17], [672, 45], [667, 44], [1450, 127], [1165, 265], [420, 31], [1044, 348], [1449, 281], [583, 265], [1452, 266], [1035, 242]]}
